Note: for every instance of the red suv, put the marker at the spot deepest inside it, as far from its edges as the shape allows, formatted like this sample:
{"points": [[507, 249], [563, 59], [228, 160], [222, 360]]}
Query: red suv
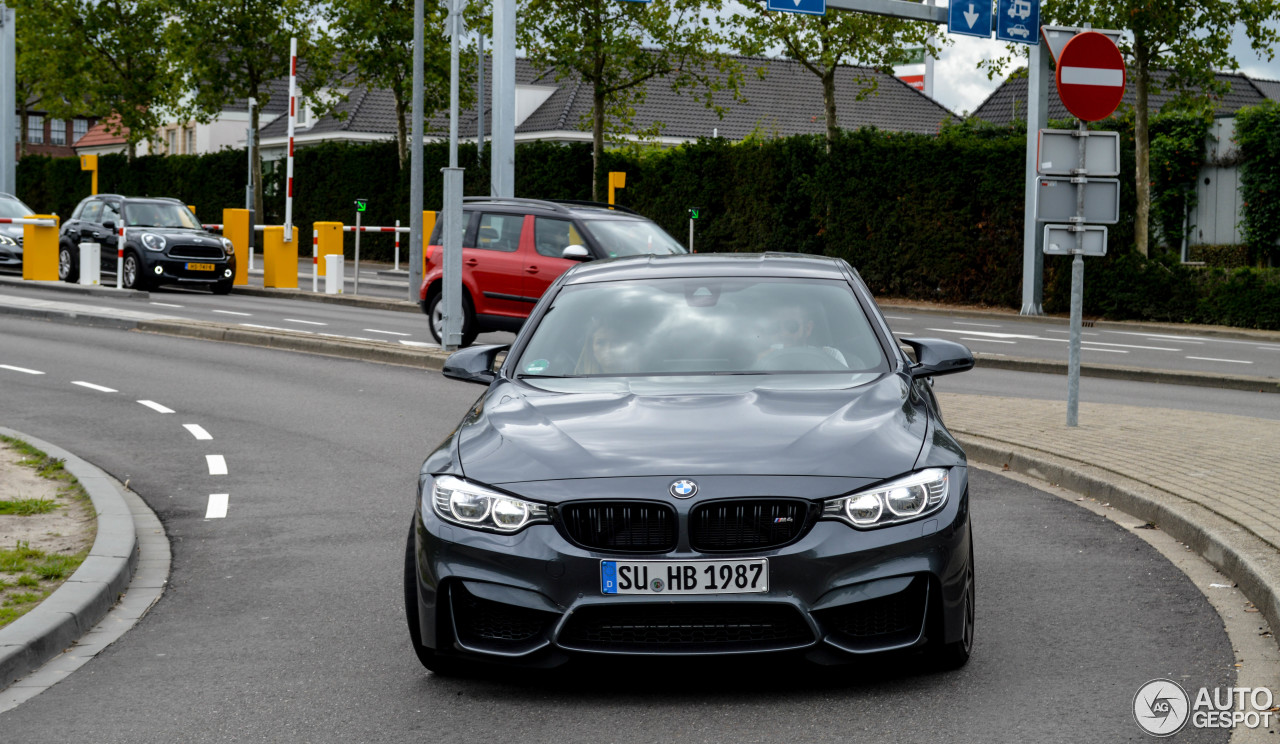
{"points": [[513, 249]]}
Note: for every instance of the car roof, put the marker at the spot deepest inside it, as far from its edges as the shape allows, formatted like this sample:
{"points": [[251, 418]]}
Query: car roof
{"points": [[709, 264], [562, 208], [162, 199]]}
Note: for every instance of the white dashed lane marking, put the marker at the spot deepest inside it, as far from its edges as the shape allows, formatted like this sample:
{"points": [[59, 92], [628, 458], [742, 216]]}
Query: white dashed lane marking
{"points": [[896, 317], [156, 406], [23, 370], [1109, 351], [980, 325], [1211, 359], [92, 386], [217, 506], [304, 322], [987, 340], [233, 312], [165, 304], [217, 464], [274, 328], [197, 431], [389, 333]]}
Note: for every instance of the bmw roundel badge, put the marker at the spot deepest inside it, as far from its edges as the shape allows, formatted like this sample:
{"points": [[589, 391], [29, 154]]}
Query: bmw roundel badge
{"points": [[684, 489]]}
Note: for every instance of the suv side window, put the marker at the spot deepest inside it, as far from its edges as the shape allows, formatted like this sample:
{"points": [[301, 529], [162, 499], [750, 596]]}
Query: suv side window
{"points": [[79, 208], [92, 211], [110, 212], [499, 232], [552, 236]]}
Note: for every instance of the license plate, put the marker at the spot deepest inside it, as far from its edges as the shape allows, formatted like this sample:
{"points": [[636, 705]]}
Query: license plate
{"points": [[684, 577], [200, 267]]}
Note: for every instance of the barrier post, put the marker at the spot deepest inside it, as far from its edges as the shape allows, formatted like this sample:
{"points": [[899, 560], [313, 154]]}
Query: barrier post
{"points": [[617, 180], [428, 227], [237, 228], [90, 163], [397, 234], [40, 250], [279, 259], [328, 243]]}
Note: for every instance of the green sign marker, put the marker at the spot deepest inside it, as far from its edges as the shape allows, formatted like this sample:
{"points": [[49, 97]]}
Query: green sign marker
{"points": [[361, 204], [695, 212]]}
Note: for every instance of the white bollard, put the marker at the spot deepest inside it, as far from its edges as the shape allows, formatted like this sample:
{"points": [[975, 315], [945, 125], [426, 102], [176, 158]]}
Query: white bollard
{"points": [[90, 263], [333, 273]]}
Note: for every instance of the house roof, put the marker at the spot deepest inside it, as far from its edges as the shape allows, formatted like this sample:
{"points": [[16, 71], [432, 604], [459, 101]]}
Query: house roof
{"points": [[1009, 101], [786, 100], [1268, 88], [98, 136]]}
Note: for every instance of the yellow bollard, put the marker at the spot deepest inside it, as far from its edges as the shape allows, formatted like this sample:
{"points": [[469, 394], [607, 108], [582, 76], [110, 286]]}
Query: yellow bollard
{"points": [[40, 250], [279, 259], [329, 241], [90, 163], [617, 180], [428, 227], [236, 227]]}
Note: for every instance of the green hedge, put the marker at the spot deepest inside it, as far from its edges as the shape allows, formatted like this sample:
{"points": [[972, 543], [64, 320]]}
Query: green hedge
{"points": [[923, 217]]}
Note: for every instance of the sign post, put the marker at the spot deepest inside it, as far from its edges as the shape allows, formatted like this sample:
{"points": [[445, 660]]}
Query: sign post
{"points": [[361, 205], [694, 213]]}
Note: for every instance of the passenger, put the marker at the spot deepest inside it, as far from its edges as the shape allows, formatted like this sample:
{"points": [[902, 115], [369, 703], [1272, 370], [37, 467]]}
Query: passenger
{"points": [[602, 352], [792, 328]]}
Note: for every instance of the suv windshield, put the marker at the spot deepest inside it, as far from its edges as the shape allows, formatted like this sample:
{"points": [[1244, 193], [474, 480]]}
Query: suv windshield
{"points": [[632, 238], [703, 326], [156, 214], [11, 208]]}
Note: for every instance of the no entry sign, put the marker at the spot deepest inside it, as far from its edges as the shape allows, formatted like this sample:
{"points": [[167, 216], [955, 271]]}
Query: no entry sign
{"points": [[1091, 76]]}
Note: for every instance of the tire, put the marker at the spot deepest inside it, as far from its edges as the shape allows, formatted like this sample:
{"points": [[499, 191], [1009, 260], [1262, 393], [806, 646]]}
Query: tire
{"points": [[950, 656], [435, 319], [434, 662], [222, 288], [68, 267], [131, 276]]}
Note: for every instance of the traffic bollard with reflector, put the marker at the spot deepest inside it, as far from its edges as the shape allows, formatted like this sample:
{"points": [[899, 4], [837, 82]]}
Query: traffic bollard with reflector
{"points": [[279, 259], [40, 250], [90, 263], [333, 273]]}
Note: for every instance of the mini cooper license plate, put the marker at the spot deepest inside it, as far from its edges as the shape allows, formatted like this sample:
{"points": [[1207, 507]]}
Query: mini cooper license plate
{"points": [[684, 577], [200, 267]]}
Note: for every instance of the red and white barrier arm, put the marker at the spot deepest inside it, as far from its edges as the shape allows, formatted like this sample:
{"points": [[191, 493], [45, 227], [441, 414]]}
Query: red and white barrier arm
{"points": [[27, 221], [212, 227]]}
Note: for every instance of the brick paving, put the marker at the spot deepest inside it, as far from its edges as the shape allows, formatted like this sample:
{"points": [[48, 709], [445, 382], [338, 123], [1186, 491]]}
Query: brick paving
{"points": [[1228, 464]]}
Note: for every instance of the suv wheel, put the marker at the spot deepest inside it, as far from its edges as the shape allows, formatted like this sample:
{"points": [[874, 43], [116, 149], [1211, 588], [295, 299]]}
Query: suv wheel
{"points": [[435, 317]]}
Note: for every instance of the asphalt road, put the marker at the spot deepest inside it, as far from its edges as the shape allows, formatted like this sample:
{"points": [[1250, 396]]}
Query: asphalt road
{"points": [[283, 620]]}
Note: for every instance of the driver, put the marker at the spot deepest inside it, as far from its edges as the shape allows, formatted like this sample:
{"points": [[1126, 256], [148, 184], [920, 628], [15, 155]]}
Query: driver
{"points": [[792, 328]]}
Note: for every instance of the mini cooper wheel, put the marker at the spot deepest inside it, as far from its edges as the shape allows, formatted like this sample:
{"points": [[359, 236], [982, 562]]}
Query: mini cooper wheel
{"points": [[131, 276], [68, 270]]}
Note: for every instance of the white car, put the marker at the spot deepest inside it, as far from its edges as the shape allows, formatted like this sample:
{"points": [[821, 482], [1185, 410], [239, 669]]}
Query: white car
{"points": [[1019, 30]]}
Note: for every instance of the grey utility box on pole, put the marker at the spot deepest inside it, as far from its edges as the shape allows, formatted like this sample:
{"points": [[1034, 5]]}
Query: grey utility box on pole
{"points": [[1056, 199], [1059, 153], [1061, 240]]}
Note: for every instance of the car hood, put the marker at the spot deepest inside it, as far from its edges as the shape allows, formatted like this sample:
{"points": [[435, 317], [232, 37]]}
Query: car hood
{"points": [[516, 433], [173, 232]]}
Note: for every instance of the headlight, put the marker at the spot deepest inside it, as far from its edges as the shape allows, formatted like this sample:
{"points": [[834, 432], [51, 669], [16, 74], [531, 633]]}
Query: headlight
{"points": [[228, 246], [153, 242], [6, 240], [897, 501], [457, 501]]}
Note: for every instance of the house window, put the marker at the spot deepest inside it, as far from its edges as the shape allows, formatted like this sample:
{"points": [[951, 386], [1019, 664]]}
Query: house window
{"points": [[191, 141], [173, 142], [35, 129], [57, 132], [79, 128]]}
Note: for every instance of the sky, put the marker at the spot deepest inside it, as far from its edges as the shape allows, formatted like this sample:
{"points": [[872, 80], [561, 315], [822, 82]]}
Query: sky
{"points": [[962, 87]]}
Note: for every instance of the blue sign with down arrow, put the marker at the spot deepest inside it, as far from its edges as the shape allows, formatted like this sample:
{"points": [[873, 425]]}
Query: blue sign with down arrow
{"points": [[970, 17], [808, 7]]}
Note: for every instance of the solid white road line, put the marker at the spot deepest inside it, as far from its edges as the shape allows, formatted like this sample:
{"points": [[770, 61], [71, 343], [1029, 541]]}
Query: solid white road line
{"points": [[165, 304], [274, 328], [197, 431], [1131, 346], [21, 369], [91, 386], [980, 325], [987, 340], [156, 406], [1109, 351], [896, 317], [389, 333], [217, 506], [306, 322], [217, 464], [233, 312], [422, 344], [1211, 359]]}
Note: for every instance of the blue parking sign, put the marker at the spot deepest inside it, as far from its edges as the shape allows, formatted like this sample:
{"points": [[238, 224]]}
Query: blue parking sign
{"points": [[808, 7], [1018, 21], [970, 17]]}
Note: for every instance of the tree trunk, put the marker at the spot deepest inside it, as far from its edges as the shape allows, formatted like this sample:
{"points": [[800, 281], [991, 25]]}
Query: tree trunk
{"points": [[597, 143], [402, 138], [829, 104], [1141, 146]]}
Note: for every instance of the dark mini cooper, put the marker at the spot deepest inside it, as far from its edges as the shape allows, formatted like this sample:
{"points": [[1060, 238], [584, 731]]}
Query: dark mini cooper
{"points": [[164, 244], [695, 455]]}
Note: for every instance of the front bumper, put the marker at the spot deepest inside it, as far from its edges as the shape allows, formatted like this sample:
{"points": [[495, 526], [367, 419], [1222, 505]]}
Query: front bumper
{"points": [[835, 595], [166, 270]]}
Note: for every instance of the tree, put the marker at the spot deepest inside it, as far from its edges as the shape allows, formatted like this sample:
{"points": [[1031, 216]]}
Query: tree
{"points": [[233, 50], [618, 47], [1189, 38], [374, 39], [100, 57], [824, 43]]}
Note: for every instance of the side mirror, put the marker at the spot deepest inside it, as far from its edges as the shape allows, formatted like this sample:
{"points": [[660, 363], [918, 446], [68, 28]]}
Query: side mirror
{"points": [[576, 253], [474, 364], [110, 225], [935, 356]]}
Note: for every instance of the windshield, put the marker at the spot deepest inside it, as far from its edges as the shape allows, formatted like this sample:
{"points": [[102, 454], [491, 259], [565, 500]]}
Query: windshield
{"points": [[11, 208], [703, 327], [154, 214], [632, 238]]}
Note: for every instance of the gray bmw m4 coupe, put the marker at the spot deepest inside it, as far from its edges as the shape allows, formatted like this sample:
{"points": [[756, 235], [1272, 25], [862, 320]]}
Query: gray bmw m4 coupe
{"points": [[696, 455]]}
